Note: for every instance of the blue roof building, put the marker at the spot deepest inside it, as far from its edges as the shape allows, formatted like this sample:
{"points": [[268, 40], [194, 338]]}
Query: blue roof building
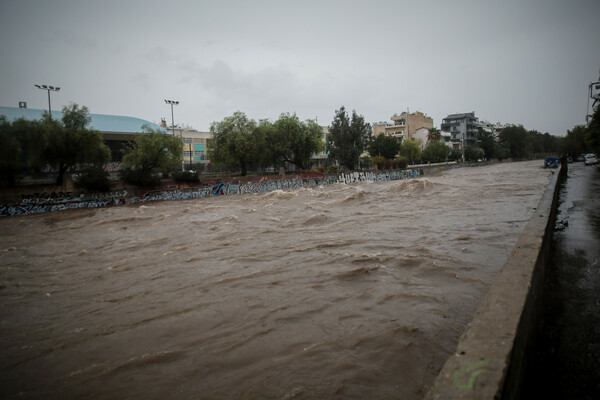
{"points": [[115, 129]]}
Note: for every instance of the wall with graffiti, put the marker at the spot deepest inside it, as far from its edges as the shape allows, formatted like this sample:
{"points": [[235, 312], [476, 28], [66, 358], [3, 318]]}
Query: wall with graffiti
{"points": [[41, 203]]}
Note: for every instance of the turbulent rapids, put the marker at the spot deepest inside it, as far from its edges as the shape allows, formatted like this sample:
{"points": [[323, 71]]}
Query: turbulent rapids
{"points": [[341, 291]]}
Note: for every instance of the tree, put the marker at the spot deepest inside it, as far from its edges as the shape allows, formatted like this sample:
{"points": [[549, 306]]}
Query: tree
{"points": [[474, 153], [514, 138], [411, 150], [487, 141], [379, 161], [384, 145], [153, 151], [292, 141], [347, 138], [455, 155], [436, 151], [434, 135], [70, 142], [575, 141], [234, 142], [592, 137], [10, 153]]}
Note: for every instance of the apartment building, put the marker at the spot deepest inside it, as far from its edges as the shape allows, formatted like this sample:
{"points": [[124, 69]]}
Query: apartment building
{"points": [[404, 126], [462, 129]]}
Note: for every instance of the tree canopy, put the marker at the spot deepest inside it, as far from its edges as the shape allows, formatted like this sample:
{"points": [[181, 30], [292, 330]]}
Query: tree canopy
{"points": [[153, 151], [347, 138], [411, 149], [436, 151], [293, 141], [592, 137], [383, 145], [234, 141], [434, 135]]}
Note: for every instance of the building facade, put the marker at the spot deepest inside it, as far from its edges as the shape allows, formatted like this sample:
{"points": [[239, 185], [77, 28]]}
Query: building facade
{"points": [[494, 129], [462, 129], [404, 126], [195, 145]]}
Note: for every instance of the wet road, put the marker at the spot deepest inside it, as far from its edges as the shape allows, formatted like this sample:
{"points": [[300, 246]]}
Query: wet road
{"points": [[567, 363]]}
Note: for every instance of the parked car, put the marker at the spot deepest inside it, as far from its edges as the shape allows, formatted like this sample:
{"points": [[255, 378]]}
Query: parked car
{"points": [[581, 157], [591, 159]]}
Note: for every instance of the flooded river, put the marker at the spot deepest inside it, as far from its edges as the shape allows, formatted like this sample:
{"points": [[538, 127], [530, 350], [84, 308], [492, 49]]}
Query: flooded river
{"points": [[342, 291]]}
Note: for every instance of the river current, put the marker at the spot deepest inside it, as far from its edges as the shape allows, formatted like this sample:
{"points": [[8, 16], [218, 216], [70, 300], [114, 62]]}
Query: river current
{"points": [[342, 291]]}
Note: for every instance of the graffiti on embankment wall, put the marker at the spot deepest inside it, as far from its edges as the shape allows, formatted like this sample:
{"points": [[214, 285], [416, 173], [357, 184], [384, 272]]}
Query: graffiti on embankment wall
{"points": [[66, 201]]}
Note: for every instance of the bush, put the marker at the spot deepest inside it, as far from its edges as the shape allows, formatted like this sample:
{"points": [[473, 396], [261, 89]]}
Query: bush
{"points": [[379, 161], [138, 177], [186, 177], [401, 162], [331, 169], [93, 180]]}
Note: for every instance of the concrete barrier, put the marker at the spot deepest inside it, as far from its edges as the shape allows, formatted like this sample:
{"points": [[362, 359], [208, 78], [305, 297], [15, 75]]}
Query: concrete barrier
{"points": [[491, 355]]}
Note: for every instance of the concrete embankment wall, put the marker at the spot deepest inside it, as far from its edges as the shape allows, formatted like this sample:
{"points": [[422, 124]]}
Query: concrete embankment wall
{"points": [[491, 355]]}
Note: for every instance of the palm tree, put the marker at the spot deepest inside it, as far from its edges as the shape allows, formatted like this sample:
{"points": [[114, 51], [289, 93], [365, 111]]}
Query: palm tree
{"points": [[434, 135]]}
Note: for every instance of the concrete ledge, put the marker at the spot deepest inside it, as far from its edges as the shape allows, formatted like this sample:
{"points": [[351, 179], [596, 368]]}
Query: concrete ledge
{"points": [[490, 356]]}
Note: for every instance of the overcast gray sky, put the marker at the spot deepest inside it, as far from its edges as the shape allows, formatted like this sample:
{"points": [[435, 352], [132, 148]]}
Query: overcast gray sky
{"points": [[525, 61]]}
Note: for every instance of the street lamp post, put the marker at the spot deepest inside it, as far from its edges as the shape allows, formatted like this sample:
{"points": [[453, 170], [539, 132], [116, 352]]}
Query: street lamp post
{"points": [[49, 89]]}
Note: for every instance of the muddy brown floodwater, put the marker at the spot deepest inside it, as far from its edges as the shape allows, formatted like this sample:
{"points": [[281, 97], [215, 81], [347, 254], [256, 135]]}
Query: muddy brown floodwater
{"points": [[343, 291]]}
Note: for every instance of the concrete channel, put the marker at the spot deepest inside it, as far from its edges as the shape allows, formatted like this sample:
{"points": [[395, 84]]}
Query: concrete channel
{"points": [[490, 359]]}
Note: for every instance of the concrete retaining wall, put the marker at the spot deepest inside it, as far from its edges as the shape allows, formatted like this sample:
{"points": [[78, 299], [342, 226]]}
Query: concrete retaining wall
{"points": [[491, 355]]}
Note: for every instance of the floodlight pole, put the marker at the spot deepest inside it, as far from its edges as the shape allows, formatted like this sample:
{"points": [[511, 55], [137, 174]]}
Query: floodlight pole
{"points": [[172, 103], [49, 89]]}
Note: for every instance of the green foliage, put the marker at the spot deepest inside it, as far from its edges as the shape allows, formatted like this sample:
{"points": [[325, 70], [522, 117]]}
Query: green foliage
{"points": [[411, 149], [474, 153], [186, 177], [292, 141], [331, 169], [236, 139], [94, 179], [139, 177], [401, 162], [70, 142], [10, 154], [592, 137], [514, 138], [502, 152], [347, 138], [455, 155], [436, 151], [575, 141], [384, 145], [434, 135], [153, 151], [487, 141], [379, 161]]}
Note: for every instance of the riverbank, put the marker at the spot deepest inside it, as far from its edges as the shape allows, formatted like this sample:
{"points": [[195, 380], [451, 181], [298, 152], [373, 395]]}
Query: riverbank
{"points": [[32, 201]]}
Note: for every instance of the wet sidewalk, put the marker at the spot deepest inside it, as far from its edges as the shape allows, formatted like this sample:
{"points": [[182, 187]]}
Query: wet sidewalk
{"points": [[566, 364]]}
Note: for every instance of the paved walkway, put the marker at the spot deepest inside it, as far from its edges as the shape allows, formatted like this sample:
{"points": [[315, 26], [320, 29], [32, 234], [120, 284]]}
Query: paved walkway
{"points": [[567, 363]]}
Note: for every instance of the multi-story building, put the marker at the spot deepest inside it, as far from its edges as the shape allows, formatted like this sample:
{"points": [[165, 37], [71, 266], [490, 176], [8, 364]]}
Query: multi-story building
{"points": [[494, 129], [462, 128], [404, 125], [195, 145]]}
